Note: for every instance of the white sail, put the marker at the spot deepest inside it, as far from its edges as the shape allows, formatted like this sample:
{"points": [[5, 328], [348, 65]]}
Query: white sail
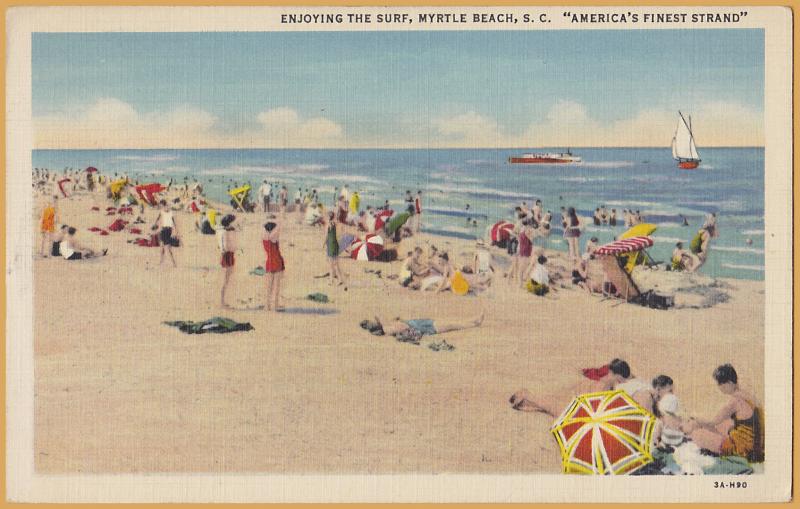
{"points": [[683, 146]]}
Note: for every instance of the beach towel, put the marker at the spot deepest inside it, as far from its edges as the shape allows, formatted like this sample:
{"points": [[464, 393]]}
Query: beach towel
{"points": [[217, 325], [96, 209], [94, 229], [258, 271], [596, 373], [117, 225], [318, 297], [103, 232], [136, 231]]}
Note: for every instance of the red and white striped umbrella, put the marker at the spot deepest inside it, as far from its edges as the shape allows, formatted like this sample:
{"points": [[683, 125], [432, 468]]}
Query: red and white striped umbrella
{"points": [[368, 249], [625, 246], [501, 231], [381, 217]]}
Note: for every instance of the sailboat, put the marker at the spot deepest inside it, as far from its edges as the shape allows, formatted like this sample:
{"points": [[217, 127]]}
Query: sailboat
{"points": [[684, 149]]}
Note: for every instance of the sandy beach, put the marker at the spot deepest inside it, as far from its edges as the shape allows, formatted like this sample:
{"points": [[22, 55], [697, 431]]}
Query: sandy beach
{"points": [[308, 391]]}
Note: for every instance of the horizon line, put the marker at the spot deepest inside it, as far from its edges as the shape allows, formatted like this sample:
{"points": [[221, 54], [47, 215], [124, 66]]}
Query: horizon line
{"points": [[394, 148]]}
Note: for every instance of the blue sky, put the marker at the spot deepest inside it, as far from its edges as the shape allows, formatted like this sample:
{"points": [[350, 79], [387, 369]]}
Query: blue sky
{"points": [[380, 87]]}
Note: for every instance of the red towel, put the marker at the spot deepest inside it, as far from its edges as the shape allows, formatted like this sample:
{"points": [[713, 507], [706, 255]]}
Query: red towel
{"points": [[137, 231], [95, 208], [117, 225], [94, 229], [111, 208], [103, 232], [112, 213], [596, 373]]}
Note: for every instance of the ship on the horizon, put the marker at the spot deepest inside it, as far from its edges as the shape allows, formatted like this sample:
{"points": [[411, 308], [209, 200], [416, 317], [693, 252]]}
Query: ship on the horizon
{"points": [[545, 158], [684, 149]]}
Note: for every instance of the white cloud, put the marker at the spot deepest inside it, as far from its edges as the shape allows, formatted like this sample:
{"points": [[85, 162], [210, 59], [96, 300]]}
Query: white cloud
{"points": [[111, 123], [568, 123]]}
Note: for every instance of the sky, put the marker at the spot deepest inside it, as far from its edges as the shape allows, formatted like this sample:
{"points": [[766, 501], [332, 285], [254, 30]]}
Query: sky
{"points": [[413, 89]]}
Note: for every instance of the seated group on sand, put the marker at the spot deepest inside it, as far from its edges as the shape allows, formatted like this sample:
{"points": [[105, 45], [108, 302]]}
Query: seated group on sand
{"points": [[737, 429], [435, 271]]}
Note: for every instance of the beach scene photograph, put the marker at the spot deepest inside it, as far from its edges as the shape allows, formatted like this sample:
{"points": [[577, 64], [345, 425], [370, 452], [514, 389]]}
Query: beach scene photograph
{"points": [[399, 252]]}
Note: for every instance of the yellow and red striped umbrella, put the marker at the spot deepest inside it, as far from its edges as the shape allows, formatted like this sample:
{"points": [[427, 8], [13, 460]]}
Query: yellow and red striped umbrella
{"points": [[604, 433]]}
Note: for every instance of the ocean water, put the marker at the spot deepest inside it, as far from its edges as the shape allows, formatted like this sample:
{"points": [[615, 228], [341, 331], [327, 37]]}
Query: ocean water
{"points": [[729, 181]]}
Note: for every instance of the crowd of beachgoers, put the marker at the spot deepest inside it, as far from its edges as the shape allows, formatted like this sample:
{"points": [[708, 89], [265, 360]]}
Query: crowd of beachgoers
{"points": [[350, 229]]}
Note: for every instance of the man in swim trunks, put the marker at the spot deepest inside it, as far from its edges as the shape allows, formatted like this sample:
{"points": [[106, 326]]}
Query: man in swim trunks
{"points": [[413, 330]]}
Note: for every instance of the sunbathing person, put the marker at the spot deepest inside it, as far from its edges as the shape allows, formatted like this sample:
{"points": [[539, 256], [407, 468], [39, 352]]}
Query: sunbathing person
{"points": [[413, 330], [683, 259], [58, 238], [71, 249], [538, 282], [594, 379], [418, 268], [746, 437], [482, 269]]}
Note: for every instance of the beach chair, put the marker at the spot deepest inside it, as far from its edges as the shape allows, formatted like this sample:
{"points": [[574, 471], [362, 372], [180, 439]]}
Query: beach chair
{"points": [[615, 275], [615, 268], [239, 195]]}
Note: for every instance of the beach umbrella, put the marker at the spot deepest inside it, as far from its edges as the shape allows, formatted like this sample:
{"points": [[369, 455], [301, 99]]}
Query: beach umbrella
{"points": [[61, 185], [382, 217], [604, 433], [397, 222], [367, 249], [147, 192], [639, 230], [625, 246], [91, 169], [501, 231]]}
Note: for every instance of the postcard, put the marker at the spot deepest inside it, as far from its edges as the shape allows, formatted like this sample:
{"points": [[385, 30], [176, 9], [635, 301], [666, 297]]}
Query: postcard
{"points": [[399, 254]]}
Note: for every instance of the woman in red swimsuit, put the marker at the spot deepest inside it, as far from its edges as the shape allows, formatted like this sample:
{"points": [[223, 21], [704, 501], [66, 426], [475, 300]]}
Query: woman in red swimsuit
{"points": [[273, 265]]}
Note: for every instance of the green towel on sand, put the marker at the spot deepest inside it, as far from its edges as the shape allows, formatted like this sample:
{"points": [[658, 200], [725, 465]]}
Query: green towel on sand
{"points": [[258, 271], [218, 325], [318, 297]]}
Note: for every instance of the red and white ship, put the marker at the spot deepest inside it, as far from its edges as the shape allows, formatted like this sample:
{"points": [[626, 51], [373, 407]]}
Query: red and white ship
{"points": [[545, 158]]}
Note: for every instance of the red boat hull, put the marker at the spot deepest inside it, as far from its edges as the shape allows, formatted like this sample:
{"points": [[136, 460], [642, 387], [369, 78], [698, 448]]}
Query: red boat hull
{"points": [[688, 165], [536, 160]]}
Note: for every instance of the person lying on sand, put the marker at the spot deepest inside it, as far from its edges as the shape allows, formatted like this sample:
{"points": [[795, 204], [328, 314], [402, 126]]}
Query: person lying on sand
{"points": [[746, 437], [416, 328], [613, 375]]}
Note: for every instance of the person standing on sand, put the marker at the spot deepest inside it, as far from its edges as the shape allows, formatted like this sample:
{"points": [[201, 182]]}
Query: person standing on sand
{"points": [[264, 193], [167, 232], [572, 233], [283, 199], [418, 210], [525, 250], [273, 265], [332, 249], [48, 225], [226, 237], [342, 210]]}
